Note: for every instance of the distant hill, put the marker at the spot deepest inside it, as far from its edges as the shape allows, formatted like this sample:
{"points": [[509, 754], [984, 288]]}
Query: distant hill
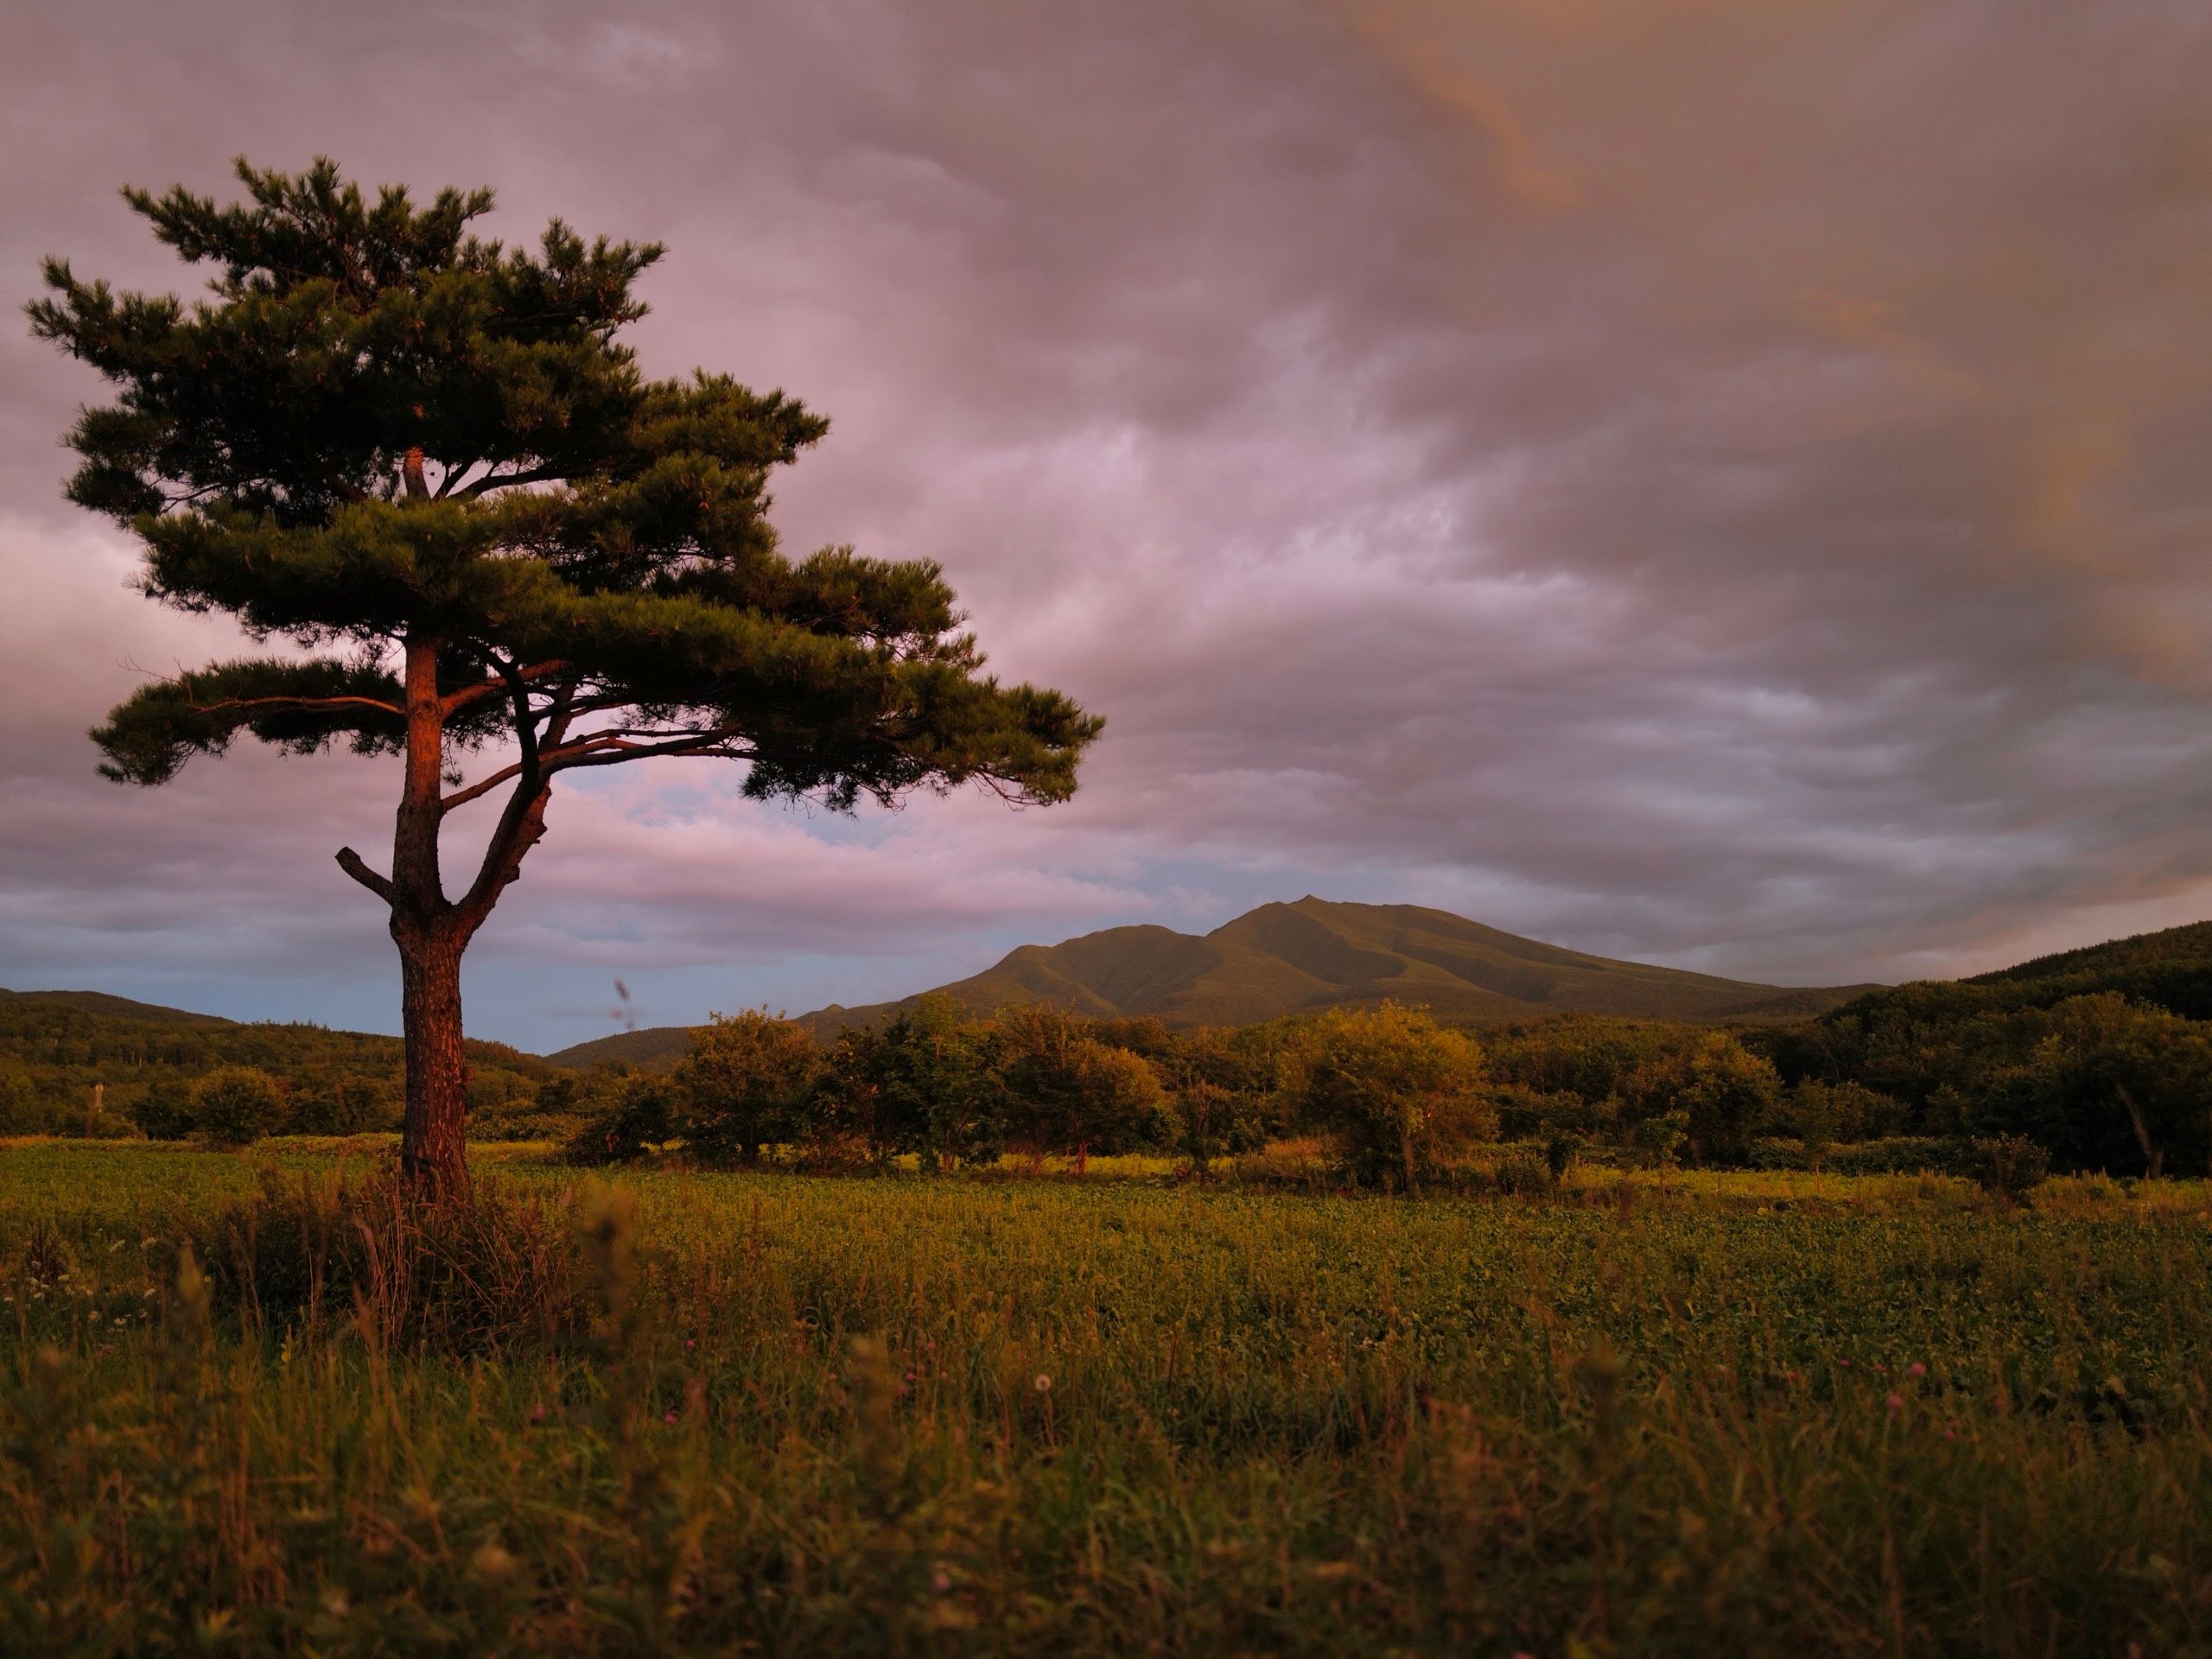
{"points": [[115, 1007], [2191, 943], [1290, 958], [90, 1027], [2171, 970]]}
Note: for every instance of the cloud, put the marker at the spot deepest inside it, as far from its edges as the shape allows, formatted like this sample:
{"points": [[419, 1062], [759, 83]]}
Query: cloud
{"points": [[1713, 482]]}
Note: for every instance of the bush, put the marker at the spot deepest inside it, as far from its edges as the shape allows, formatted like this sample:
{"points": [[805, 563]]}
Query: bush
{"points": [[1561, 1151], [638, 1121], [236, 1105], [165, 1114], [1063, 1090], [485, 1272], [2009, 1167], [20, 1110], [1525, 1114], [919, 1084], [1657, 1140], [744, 1085], [1521, 1174], [1729, 1093], [344, 1106], [1397, 1092], [1893, 1154]]}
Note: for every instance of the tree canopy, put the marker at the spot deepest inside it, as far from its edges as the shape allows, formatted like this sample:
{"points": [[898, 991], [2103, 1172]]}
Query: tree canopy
{"points": [[426, 463]]}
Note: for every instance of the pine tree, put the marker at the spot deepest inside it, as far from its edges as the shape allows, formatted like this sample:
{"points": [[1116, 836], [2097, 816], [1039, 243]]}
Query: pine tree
{"points": [[426, 463]]}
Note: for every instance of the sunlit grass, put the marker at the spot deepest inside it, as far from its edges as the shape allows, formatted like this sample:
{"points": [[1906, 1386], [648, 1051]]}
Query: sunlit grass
{"points": [[1127, 1412]]}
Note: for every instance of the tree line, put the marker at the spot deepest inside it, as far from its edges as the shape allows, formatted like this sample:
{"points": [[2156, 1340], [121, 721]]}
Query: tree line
{"points": [[1910, 1078]]}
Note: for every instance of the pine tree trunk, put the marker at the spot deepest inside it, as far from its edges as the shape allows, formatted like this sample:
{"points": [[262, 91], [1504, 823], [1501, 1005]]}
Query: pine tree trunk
{"points": [[433, 1153]]}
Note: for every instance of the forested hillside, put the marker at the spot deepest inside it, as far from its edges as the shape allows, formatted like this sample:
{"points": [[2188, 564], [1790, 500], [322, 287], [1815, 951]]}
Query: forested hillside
{"points": [[79, 1062]]}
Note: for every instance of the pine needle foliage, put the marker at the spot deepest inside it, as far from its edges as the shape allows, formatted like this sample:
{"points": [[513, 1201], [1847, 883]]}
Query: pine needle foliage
{"points": [[427, 464]]}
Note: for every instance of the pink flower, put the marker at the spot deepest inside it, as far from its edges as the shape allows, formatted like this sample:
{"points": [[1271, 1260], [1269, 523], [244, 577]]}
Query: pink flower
{"points": [[1916, 1369], [1896, 1404], [669, 1418]]}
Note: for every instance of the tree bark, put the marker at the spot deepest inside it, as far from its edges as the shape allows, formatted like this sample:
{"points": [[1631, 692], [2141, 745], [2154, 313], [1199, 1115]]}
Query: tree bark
{"points": [[433, 1153], [432, 1148]]}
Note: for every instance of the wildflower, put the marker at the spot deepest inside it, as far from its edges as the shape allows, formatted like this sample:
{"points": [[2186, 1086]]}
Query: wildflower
{"points": [[1896, 1404], [1916, 1369], [1044, 1383], [1845, 1364], [940, 1581], [668, 1417], [538, 1413], [690, 1342]]}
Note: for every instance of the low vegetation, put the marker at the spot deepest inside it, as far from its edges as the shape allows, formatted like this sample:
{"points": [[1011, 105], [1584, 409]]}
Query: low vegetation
{"points": [[1665, 1412]]}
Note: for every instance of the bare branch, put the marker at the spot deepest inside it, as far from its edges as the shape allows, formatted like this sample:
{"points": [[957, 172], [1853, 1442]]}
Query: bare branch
{"points": [[610, 751], [305, 702], [469, 696], [521, 827], [505, 480], [352, 863], [483, 786]]}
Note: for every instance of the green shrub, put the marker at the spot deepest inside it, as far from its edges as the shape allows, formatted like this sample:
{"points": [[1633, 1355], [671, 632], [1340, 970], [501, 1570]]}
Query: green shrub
{"points": [[919, 1084], [641, 1118], [1728, 1094], [1657, 1140], [345, 1106], [1524, 1173], [2010, 1167], [485, 1272], [236, 1105], [165, 1114], [21, 1112], [1397, 1092], [1561, 1152], [1062, 1090], [744, 1085]]}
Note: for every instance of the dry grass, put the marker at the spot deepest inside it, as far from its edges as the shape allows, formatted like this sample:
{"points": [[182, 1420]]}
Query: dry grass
{"points": [[806, 1416]]}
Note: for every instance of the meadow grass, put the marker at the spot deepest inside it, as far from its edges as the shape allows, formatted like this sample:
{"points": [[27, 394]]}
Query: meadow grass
{"points": [[1118, 1414]]}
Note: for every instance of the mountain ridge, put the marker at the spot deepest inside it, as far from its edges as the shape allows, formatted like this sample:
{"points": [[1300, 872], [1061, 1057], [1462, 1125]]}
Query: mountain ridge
{"points": [[1284, 958]]}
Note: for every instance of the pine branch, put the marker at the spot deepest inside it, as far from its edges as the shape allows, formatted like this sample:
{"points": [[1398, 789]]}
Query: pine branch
{"points": [[352, 863], [547, 474]]}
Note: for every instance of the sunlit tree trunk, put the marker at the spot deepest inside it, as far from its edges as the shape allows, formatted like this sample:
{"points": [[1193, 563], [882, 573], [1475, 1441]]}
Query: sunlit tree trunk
{"points": [[433, 1155]]}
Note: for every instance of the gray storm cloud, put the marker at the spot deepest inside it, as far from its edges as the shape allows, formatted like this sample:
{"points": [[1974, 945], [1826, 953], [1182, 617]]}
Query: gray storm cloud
{"points": [[1718, 482]]}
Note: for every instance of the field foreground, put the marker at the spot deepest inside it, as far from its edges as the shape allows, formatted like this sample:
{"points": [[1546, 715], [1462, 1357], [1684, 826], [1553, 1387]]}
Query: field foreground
{"points": [[792, 1414]]}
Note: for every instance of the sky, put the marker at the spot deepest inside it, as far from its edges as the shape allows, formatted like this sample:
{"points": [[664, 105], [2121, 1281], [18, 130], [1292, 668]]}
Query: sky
{"points": [[1718, 482]]}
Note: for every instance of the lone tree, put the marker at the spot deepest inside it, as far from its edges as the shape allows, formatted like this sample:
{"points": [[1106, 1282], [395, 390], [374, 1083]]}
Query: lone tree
{"points": [[425, 461]]}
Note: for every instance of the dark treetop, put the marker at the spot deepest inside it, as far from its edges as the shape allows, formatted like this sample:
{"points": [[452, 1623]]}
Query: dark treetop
{"points": [[424, 460], [380, 428]]}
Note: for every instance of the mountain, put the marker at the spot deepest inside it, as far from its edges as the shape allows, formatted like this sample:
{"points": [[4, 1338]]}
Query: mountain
{"points": [[105, 1007], [2171, 970], [58, 1030], [1285, 958], [2189, 943]]}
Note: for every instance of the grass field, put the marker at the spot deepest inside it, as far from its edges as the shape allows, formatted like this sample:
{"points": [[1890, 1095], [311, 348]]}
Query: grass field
{"points": [[1719, 1414]]}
